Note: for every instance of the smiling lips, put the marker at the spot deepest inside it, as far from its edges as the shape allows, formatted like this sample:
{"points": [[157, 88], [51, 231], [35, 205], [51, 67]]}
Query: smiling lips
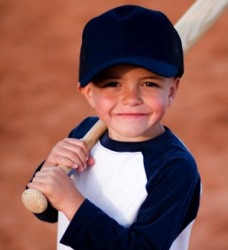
{"points": [[131, 115]]}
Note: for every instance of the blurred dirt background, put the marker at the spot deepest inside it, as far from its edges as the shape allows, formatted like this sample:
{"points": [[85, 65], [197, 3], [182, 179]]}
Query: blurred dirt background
{"points": [[39, 43]]}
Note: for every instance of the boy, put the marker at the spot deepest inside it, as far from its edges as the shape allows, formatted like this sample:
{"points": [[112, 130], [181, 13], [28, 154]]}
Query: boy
{"points": [[142, 187]]}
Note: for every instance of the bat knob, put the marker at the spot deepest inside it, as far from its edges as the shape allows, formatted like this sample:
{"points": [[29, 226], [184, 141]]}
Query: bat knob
{"points": [[34, 200]]}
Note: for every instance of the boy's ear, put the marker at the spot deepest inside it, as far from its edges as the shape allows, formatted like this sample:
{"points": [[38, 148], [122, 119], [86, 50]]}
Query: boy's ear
{"points": [[173, 90], [88, 93]]}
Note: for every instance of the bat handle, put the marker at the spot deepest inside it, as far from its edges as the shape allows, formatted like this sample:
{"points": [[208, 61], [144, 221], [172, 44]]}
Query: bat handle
{"points": [[34, 200]]}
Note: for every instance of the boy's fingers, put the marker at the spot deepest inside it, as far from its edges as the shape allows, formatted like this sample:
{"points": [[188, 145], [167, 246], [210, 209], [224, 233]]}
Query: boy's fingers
{"points": [[69, 152], [89, 163], [75, 142], [78, 147], [72, 161], [48, 176]]}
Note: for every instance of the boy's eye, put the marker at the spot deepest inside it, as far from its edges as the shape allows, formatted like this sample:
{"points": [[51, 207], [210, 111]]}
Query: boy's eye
{"points": [[110, 84], [150, 84]]}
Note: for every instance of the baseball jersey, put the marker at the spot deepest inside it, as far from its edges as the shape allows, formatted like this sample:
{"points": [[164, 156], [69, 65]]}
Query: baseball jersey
{"points": [[139, 195]]}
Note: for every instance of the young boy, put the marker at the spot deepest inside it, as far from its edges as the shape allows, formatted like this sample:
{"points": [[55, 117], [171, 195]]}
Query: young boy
{"points": [[141, 189]]}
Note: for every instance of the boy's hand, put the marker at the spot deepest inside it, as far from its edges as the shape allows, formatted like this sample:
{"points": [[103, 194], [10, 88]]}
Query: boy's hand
{"points": [[70, 152], [53, 181], [59, 188]]}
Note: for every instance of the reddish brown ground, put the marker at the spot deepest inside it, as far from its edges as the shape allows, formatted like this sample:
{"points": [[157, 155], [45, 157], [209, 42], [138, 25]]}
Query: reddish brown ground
{"points": [[39, 105]]}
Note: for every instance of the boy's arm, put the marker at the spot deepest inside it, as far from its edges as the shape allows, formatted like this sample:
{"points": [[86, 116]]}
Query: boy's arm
{"points": [[55, 184], [51, 214], [172, 203]]}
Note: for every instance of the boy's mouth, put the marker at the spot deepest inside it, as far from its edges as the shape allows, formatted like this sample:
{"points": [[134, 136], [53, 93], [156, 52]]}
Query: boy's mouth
{"points": [[131, 115]]}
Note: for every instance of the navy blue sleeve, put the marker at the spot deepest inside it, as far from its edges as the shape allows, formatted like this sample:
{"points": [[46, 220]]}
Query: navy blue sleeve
{"points": [[172, 203]]}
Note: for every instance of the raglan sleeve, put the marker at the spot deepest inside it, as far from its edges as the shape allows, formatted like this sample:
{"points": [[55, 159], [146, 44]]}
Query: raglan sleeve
{"points": [[172, 203]]}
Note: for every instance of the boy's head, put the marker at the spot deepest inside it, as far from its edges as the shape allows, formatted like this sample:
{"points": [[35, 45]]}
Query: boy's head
{"points": [[130, 35]]}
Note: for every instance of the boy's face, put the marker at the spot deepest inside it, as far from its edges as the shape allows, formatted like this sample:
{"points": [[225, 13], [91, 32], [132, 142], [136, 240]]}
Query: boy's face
{"points": [[131, 101]]}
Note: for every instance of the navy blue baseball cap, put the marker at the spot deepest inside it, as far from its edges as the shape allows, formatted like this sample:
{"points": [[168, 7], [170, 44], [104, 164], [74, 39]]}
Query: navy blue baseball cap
{"points": [[130, 34]]}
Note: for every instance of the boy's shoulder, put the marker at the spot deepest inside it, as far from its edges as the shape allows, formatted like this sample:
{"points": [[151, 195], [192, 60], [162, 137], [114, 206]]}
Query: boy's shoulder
{"points": [[175, 148], [168, 152], [83, 127]]}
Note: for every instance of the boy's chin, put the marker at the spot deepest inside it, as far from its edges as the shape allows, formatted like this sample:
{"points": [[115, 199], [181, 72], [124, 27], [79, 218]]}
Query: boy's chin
{"points": [[129, 136]]}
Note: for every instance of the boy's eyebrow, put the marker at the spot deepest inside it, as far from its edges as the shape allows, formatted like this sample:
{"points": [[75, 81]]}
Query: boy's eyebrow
{"points": [[155, 77]]}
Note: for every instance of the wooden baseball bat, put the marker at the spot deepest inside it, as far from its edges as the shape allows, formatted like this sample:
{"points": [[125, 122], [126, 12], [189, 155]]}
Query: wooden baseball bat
{"points": [[198, 19], [191, 26]]}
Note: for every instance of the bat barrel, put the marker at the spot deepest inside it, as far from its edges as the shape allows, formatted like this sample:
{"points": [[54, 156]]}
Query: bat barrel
{"points": [[198, 19]]}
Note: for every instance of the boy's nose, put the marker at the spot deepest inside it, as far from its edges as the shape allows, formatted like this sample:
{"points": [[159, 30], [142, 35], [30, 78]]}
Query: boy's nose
{"points": [[131, 97]]}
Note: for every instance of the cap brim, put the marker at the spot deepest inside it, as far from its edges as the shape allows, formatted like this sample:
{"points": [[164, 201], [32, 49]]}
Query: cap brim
{"points": [[156, 66]]}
